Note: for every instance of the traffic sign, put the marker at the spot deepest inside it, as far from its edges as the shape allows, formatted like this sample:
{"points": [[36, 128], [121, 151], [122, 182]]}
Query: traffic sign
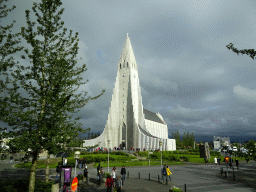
{"points": [[74, 184]]}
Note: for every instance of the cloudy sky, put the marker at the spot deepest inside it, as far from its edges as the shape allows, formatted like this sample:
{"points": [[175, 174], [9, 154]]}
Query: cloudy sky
{"points": [[186, 72]]}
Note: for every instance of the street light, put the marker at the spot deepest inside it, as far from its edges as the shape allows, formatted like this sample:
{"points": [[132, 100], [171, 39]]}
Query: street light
{"points": [[160, 145], [76, 156], [148, 154], [108, 155]]}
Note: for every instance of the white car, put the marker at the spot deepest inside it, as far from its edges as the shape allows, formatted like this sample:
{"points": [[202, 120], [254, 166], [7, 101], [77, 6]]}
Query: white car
{"points": [[235, 149]]}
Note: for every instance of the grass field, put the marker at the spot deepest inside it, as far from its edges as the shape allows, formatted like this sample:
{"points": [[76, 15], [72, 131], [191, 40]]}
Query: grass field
{"points": [[140, 163], [120, 160]]}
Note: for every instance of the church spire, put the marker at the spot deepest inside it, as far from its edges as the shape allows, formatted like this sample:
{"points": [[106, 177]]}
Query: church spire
{"points": [[127, 53]]}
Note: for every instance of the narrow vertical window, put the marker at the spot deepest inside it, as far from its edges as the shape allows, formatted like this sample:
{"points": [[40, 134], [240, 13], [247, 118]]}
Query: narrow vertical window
{"points": [[127, 64], [124, 64], [120, 65], [123, 109]]}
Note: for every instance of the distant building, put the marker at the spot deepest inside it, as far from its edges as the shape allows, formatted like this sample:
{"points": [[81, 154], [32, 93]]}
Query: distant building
{"points": [[220, 142]]}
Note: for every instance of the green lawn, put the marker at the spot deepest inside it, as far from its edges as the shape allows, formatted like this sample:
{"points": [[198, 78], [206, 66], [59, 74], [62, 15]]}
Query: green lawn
{"points": [[119, 160], [139, 163]]}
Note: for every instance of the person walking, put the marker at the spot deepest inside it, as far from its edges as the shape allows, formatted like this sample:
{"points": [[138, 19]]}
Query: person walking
{"points": [[164, 173], [11, 158], [218, 159], [168, 172], [206, 161], [58, 170], [84, 162], [86, 172], [237, 163], [101, 175], [98, 169], [215, 161], [113, 174], [109, 183], [123, 172], [80, 163], [118, 184]]}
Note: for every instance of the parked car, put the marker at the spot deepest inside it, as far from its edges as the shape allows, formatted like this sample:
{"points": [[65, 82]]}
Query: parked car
{"points": [[235, 149]]}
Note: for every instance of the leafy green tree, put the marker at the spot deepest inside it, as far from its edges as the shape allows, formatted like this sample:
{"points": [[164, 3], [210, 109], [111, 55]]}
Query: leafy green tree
{"points": [[249, 52], [176, 136], [42, 118], [8, 46]]}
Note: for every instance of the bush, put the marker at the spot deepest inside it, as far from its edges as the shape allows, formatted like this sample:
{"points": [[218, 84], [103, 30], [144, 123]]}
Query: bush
{"points": [[22, 185], [172, 158], [185, 158]]}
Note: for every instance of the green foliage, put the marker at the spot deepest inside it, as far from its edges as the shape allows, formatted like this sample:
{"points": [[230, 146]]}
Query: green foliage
{"points": [[249, 52], [21, 185], [176, 135], [80, 177]]}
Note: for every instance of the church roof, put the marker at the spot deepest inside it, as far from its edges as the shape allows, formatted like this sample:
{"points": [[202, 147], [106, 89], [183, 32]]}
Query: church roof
{"points": [[152, 116], [146, 133]]}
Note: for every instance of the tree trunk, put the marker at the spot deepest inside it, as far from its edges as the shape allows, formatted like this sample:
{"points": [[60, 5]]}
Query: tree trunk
{"points": [[32, 178], [47, 168]]}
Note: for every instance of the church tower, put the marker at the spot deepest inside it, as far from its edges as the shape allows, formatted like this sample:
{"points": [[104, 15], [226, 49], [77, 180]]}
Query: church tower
{"points": [[126, 111], [128, 124]]}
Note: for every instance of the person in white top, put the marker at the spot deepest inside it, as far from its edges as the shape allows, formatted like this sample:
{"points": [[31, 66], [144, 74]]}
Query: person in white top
{"points": [[215, 161], [114, 175]]}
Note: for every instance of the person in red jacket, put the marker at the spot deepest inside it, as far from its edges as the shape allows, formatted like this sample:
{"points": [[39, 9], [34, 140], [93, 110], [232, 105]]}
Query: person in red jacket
{"points": [[109, 183]]}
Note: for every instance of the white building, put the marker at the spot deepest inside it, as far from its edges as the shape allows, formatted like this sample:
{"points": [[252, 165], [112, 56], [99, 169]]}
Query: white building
{"points": [[219, 142], [128, 124]]}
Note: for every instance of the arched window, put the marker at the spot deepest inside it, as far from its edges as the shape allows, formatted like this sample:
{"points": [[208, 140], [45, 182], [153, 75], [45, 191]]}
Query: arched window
{"points": [[120, 65], [124, 64], [127, 64]]}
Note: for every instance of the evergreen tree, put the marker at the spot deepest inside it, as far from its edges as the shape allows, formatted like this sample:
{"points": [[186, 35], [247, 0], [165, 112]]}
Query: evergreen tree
{"points": [[176, 136], [249, 52], [40, 119], [8, 46]]}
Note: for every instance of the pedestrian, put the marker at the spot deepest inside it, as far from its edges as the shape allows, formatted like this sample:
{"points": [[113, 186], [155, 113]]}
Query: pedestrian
{"points": [[218, 159], [215, 161], [164, 173], [11, 157], [98, 169], [84, 162], [86, 172], [113, 174], [168, 172], [58, 170], [206, 161], [65, 161], [237, 163], [109, 183], [101, 174], [118, 185], [80, 163], [123, 172]]}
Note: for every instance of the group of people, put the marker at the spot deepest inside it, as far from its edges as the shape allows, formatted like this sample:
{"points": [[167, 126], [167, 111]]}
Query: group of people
{"points": [[228, 161], [81, 163], [166, 174], [115, 181]]}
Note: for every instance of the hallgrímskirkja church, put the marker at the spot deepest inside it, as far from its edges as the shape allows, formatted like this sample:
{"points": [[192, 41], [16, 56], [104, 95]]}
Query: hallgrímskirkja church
{"points": [[128, 124]]}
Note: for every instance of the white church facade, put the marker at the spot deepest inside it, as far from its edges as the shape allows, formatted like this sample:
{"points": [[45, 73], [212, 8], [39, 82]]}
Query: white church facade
{"points": [[128, 124]]}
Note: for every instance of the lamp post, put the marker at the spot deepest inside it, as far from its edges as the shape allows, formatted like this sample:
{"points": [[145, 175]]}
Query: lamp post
{"points": [[108, 155], [160, 145], [148, 154], [76, 156]]}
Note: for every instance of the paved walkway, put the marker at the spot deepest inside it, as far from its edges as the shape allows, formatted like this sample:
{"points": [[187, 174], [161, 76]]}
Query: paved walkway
{"points": [[198, 178]]}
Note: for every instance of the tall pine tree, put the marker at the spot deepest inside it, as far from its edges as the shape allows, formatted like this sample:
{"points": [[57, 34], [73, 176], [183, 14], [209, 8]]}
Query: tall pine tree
{"points": [[8, 46], [49, 85]]}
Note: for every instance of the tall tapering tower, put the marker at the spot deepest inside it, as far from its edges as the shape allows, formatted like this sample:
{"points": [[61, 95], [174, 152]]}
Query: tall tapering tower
{"points": [[128, 124], [126, 111]]}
